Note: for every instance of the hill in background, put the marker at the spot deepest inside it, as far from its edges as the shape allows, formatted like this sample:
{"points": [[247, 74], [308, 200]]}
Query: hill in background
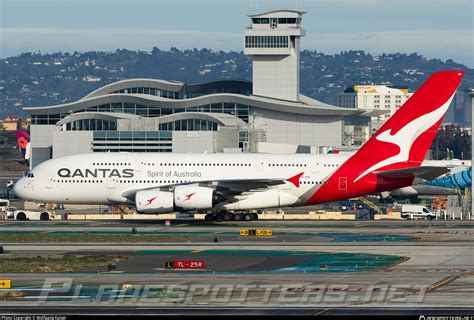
{"points": [[35, 79]]}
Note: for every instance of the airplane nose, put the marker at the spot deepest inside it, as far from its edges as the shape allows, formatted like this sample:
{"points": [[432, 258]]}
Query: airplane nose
{"points": [[19, 188]]}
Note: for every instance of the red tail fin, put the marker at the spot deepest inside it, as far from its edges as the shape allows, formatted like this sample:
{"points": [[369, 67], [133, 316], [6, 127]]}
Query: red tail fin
{"points": [[402, 142], [23, 140]]}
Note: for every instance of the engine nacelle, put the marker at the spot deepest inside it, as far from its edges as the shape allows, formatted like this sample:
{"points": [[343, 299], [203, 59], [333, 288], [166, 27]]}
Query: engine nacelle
{"points": [[193, 197], [272, 198], [154, 201]]}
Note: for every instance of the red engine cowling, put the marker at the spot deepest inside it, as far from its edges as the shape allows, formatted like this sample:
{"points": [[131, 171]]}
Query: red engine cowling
{"points": [[154, 201], [193, 197]]}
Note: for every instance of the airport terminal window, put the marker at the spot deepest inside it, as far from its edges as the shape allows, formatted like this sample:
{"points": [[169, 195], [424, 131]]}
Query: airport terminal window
{"points": [[216, 107], [129, 108], [132, 135], [104, 107], [141, 110], [189, 125], [154, 112], [45, 119], [166, 111], [266, 41], [151, 91], [229, 108], [91, 125], [117, 107], [287, 20], [260, 20], [243, 91], [205, 108], [239, 110]]}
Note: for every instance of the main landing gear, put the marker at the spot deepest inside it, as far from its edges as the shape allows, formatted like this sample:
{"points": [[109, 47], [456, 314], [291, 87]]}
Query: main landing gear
{"points": [[230, 216]]}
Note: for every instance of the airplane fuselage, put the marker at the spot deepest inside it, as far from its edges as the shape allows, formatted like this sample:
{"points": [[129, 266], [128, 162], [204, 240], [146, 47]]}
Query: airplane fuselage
{"points": [[103, 178]]}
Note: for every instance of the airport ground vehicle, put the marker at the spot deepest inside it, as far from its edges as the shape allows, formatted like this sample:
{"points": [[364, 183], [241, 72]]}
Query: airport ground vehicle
{"points": [[23, 215], [412, 211], [4, 204]]}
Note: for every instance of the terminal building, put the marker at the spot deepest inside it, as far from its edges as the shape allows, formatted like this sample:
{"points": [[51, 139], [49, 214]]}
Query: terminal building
{"points": [[266, 115], [358, 129]]}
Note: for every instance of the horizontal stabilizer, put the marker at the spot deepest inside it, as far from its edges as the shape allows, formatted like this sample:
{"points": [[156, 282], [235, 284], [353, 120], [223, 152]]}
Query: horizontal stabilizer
{"points": [[424, 172]]}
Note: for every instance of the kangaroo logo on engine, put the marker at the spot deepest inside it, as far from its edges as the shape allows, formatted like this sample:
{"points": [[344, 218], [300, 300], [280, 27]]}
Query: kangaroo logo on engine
{"points": [[95, 173]]}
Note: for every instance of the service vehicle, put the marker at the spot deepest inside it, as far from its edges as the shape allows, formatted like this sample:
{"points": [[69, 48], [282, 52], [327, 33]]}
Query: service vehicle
{"points": [[24, 215], [411, 212]]}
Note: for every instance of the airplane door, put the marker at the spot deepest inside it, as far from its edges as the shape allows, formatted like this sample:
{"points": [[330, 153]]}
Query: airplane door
{"points": [[259, 164], [48, 183], [110, 183], [139, 165], [343, 183]]}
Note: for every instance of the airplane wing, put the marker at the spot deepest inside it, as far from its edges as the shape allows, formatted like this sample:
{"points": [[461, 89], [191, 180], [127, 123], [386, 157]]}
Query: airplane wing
{"points": [[424, 172], [227, 188]]}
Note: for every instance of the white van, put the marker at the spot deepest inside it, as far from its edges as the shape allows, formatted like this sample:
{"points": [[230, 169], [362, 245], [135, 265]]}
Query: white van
{"points": [[412, 211]]}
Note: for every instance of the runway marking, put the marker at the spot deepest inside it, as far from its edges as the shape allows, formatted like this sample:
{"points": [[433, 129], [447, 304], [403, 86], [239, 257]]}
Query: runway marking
{"points": [[441, 283], [427, 270], [320, 312]]}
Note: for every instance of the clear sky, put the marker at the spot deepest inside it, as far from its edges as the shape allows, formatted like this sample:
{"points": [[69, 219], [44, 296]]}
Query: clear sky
{"points": [[435, 28]]}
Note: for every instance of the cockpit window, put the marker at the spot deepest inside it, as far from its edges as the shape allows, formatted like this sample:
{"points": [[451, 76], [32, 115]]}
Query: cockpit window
{"points": [[30, 175]]}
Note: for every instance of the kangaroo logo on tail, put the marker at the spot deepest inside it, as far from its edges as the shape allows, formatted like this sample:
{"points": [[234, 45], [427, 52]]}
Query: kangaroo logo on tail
{"points": [[405, 137]]}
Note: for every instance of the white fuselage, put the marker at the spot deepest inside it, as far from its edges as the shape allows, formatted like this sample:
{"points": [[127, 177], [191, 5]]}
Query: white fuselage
{"points": [[104, 178]]}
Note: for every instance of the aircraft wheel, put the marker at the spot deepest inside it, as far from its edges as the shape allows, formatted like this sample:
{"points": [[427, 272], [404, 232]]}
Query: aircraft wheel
{"points": [[219, 217], [255, 216], [227, 216], [237, 217], [248, 217], [21, 216], [44, 216], [209, 217]]}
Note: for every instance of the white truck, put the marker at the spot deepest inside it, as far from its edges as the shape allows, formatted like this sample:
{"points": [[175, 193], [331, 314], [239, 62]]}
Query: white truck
{"points": [[23, 215], [412, 211]]}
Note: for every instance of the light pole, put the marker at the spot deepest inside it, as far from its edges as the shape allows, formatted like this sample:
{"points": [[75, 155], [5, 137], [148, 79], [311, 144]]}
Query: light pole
{"points": [[470, 91]]}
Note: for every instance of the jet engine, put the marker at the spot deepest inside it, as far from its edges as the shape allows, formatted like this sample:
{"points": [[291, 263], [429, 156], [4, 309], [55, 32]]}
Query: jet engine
{"points": [[272, 198], [154, 201], [193, 197]]}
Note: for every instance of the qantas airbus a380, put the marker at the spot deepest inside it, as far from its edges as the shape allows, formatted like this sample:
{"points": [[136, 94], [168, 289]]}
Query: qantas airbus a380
{"points": [[234, 183]]}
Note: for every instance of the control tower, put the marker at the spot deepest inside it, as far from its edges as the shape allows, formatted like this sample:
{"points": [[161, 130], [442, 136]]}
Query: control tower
{"points": [[273, 40]]}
